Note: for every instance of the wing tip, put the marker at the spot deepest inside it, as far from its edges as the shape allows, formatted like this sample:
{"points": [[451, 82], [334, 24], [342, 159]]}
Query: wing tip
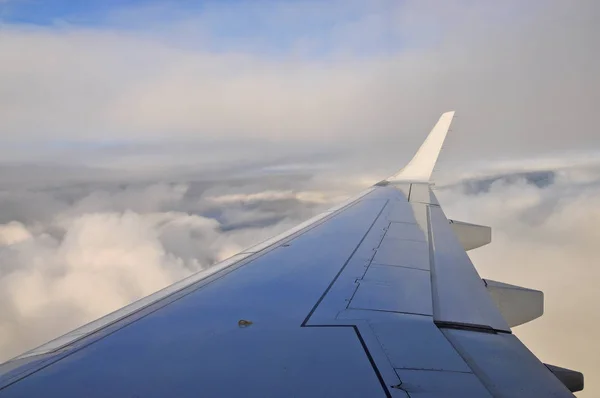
{"points": [[420, 168]]}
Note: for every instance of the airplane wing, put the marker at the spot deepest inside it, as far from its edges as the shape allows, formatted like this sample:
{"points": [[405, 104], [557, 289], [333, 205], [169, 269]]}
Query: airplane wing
{"points": [[375, 297]]}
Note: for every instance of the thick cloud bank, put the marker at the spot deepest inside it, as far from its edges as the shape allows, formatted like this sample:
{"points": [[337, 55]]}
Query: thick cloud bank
{"points": [[522, 76], [545, 236], [70, 253]]}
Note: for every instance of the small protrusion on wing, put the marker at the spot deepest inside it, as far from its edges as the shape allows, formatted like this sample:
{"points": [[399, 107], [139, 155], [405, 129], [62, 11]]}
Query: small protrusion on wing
{"points": [[572, 379], [518, 305], [471, 236]]}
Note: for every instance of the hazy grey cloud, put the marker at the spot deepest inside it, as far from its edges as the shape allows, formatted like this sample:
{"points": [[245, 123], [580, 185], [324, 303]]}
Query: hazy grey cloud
{"points": [[101, 245], [72, 252], [522, 77], [545, 236]]}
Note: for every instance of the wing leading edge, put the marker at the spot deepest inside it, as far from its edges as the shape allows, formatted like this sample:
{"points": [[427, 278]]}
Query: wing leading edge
{"points": [[374, 297]]}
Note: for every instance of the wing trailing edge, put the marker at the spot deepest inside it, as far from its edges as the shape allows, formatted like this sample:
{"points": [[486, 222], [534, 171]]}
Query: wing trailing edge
{"points": [[420, 168]]}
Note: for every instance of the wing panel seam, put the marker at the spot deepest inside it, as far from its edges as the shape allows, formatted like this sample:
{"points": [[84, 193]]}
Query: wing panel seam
{"points": [[365, 348], [335, 278]]}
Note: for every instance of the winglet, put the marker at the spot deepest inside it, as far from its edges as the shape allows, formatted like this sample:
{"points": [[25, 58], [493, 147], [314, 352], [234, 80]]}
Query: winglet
{"points": [[419, 169]]}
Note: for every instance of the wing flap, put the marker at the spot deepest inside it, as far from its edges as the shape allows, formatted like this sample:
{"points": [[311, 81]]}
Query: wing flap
{"points": [[459, 294], [505, 366]]}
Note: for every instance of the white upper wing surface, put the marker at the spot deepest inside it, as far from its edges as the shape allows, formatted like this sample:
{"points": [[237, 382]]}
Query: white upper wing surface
{"points": [[375, 297]]}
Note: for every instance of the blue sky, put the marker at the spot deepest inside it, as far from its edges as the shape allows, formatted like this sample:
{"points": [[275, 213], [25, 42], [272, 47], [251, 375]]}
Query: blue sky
{"points": [[271, 27], [51, 12]]}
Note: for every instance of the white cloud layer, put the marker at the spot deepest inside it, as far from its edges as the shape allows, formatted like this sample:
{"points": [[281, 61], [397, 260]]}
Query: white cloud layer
{"points": [[545, 238], [522, 77], [98, 249], [101, 247]]}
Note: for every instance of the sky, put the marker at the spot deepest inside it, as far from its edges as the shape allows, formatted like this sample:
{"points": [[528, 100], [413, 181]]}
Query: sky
{"points": [[156, 138]]}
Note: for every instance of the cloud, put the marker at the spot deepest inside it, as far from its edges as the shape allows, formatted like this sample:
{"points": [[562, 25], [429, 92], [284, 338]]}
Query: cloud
{"points": [[100, 246], [13, 232], [545, 237], [521, 77]]}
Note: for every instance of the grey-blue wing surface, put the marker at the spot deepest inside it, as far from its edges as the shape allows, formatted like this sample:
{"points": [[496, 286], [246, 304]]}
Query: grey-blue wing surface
{"points": [[375, 297]]}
